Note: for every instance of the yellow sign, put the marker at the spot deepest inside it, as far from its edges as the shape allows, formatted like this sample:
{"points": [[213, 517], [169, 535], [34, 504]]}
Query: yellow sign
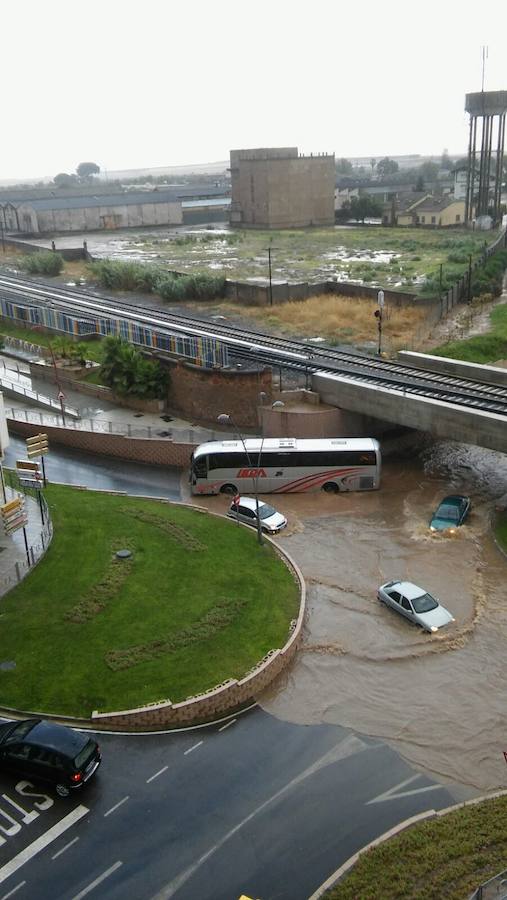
{"points": [[8, 508], [37, 445], [26, 464]]}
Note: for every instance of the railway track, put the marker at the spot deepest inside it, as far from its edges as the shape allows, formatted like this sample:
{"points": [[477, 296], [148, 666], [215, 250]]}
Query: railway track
{"points": [[270, 350]]}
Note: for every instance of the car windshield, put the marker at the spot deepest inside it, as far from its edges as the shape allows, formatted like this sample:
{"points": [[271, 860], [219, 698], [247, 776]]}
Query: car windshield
{"points": [[424, 604], [265, 511], [20, 731], [448, 512]]}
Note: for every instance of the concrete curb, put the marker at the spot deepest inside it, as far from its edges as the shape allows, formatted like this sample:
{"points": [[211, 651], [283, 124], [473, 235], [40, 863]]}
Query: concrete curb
{"points": [[398, 829]]}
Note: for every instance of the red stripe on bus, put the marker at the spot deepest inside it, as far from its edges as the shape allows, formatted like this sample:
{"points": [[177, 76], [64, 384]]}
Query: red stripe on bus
{"points": [[307, 481]]}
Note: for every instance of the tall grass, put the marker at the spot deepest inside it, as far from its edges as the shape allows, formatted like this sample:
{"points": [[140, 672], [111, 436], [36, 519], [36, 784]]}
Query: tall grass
{"points": [[345, 320], [43, 263], [134, 276]]}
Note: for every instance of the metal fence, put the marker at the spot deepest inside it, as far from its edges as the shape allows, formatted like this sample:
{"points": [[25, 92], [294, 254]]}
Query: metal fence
{"points": [[106, 426], [36, 549], [494, 888], [15, 387]]}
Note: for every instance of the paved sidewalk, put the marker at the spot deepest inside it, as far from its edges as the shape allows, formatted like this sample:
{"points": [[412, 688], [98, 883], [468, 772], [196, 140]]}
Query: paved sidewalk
{"points": [[95, 413], [15, 563]]}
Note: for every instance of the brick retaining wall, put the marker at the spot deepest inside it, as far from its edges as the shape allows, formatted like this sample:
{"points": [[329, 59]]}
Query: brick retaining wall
{"points": [[146, 450]]}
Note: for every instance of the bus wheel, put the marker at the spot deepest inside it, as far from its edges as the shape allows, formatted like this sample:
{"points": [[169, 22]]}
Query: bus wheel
{"points": [[330, 487], [228, 489]]}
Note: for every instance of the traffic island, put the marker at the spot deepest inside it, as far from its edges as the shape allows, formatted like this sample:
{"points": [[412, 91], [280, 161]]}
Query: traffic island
{"points": [[196, 612]]}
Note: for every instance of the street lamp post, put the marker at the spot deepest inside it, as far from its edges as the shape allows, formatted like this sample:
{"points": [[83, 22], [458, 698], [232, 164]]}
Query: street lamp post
{"points": [[225, 419]]}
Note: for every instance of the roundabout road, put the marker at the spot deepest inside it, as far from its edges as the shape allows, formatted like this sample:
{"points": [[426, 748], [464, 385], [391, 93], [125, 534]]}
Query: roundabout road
{"points": [[253, 805]]}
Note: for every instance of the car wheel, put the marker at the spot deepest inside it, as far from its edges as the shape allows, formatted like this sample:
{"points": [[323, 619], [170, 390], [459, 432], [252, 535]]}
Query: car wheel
{"points": [[228, 489], [330, 487], [62, 790]]}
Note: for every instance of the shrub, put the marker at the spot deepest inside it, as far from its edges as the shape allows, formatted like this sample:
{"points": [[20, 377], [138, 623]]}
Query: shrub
{"points": [[124, 276], [44, 263]]}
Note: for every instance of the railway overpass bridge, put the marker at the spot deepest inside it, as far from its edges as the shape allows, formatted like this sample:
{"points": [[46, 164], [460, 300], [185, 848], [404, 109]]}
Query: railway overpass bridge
{"points": [[450, 399]]}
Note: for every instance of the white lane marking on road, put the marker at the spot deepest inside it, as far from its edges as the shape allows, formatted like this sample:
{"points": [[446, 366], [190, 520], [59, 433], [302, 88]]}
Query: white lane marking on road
{"points": [[160, 772], [11, 893], [395, 791], [121, 802], [73, 841], [193, 748], [347, 747], [42, 842], [227, 724], [98, 880]]}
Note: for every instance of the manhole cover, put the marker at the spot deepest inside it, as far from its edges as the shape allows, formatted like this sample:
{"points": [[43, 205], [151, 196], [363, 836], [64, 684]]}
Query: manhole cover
{"points": [[123, 554], [164, 433], [7, 665], [166, 418], [138, 415]]}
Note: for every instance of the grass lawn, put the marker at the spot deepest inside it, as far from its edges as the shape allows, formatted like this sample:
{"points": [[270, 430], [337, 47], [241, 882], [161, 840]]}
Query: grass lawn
{"points": [[483, 348], [199, 602], [446, 857], [44, 338]]}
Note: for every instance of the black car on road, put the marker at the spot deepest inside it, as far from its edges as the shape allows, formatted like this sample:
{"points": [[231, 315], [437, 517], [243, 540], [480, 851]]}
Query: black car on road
{"points": [[43, 750]]}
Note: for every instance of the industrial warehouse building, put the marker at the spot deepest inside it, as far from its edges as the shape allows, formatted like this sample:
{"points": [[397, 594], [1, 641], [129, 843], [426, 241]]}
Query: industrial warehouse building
{"points": [[279, 188], [92, 213]]}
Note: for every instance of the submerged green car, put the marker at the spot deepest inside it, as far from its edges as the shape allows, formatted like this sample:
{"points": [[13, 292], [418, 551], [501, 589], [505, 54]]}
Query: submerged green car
{"points": [[451, 513]]}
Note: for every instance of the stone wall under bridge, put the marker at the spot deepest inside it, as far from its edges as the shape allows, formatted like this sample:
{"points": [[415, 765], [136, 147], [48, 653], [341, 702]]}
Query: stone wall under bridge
{"points": [[201, 395]]}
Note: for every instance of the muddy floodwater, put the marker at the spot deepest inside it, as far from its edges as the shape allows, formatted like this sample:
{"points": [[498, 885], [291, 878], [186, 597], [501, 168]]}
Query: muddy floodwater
{"points": [[439, 700]]}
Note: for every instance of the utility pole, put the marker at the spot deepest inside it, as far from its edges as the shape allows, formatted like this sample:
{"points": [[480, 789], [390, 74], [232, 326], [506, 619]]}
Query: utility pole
{"points": [[269, 249], [378, 315]]}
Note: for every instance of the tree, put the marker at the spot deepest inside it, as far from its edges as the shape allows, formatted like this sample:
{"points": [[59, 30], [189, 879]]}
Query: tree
{"points": [[126, 371], [86, 169], [445, 161], [373, 163], [429, 171], [344, 167], [63, 180], [360, 208], [419, 185], [386, 167]]}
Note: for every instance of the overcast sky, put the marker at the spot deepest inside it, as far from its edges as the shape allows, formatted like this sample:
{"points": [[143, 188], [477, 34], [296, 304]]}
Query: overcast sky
{"points": [[161, 82]]}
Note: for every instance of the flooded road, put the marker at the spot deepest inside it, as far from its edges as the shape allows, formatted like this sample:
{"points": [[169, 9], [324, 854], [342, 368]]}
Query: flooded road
{"points": [[439, 700]]}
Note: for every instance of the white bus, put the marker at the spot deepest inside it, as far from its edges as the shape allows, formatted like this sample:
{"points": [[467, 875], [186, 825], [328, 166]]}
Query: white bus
{"points": [[279, 465]]}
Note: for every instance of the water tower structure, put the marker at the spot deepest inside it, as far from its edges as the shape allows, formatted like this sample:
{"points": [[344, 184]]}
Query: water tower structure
{"points": [[487, 111]]}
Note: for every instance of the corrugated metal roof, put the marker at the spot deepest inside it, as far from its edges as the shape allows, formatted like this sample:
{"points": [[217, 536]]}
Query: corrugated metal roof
{"points": [[127, 199]]}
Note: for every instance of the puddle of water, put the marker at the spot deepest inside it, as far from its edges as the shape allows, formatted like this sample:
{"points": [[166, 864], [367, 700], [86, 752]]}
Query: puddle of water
{"points": [[439, 700]]}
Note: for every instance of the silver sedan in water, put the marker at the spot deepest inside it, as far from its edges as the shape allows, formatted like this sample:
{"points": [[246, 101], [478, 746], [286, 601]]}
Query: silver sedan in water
{"points": [[415, 604]]}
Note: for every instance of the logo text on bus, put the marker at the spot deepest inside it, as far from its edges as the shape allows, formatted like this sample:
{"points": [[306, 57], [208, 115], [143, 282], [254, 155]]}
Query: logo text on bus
{"points": [[251, 473]]}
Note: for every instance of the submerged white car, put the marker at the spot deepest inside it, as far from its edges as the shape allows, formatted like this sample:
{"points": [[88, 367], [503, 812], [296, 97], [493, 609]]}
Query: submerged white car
{"points": [[244, 510], [415, 604]]}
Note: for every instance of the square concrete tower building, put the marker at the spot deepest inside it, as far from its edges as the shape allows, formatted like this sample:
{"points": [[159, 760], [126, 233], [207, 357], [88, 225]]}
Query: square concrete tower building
{"points": [[279, 188]]}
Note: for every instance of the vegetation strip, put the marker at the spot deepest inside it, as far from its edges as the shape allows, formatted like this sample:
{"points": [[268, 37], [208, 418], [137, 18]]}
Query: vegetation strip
{"points": [[117, 573], [187, 540], [443, 857], [222, 614]]}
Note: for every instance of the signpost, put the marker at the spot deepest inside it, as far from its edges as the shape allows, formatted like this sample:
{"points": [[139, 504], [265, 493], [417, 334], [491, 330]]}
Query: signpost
{"points": [[14, 516], [38, 446], [30, 477]]}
